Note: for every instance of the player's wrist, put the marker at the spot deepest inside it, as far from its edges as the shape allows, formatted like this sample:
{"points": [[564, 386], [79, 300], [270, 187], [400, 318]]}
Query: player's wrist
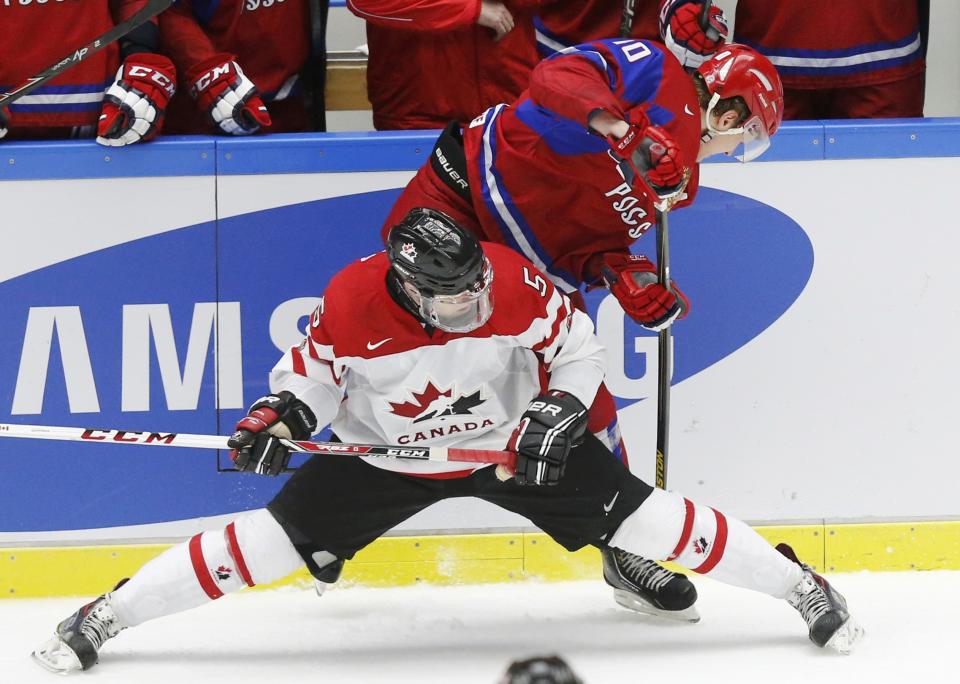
{"points": [[608, 125]]}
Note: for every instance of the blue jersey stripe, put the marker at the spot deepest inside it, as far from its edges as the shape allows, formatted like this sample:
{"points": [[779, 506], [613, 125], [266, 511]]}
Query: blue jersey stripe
{"points": [[55, 108], [548, 42], [563, 136], [854, 69], [835, 53], [71, 89]]}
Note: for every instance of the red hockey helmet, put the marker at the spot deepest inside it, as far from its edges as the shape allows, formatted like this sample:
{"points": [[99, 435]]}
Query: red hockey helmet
{"points": [[737, 70]]}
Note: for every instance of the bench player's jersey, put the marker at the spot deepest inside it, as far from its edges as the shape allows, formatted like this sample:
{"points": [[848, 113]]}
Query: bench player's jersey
{"points": [[33, 35], [372, 371], [570, 22], [824, 44]]}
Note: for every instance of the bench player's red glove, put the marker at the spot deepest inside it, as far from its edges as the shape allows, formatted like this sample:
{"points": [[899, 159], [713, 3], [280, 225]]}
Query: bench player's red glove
{"points": [[134, 105], [229, 98], [633, 281], [687, 38]]}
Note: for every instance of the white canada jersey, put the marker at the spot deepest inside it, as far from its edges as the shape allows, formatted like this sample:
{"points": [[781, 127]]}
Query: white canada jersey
{"points": [[372, 371]]}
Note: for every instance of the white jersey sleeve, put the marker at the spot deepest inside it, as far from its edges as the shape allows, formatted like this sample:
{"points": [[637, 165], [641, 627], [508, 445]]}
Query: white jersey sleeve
{"points": [[308, 371], [571, 352], [579, 361]]}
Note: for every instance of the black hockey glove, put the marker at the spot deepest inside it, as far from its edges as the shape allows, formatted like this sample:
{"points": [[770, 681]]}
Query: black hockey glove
{"points": [[256, 443], [552, 424]]}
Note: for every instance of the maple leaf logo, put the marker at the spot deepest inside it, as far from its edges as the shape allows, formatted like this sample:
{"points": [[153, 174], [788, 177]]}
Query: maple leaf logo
{"points": [[421, 400]]}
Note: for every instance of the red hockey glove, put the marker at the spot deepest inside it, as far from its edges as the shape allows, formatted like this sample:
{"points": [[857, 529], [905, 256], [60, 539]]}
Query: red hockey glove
{"points": [[552, 424], [255, 444], [683, 33], [633, 281], [654, 155], [134, 105], [228, 97]]}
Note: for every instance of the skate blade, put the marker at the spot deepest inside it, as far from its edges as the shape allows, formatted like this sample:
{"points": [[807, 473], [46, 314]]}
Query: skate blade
{"points": [[845, 639], [55, 656], [631, 601]]}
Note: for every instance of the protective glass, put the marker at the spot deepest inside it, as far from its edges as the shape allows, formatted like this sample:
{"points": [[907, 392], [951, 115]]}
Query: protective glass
{"points": [[462, 312]]}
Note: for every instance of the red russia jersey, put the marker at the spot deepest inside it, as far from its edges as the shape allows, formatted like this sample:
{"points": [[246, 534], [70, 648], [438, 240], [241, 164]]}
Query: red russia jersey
{"points": [[270, 40], [431, 63], [571, 22], [828, 44], [33, 35], [371, 370], [543, 184]]}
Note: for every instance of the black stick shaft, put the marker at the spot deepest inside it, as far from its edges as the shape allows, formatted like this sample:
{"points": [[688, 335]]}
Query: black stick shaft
{"points": [[626, 18], [664, 360]]}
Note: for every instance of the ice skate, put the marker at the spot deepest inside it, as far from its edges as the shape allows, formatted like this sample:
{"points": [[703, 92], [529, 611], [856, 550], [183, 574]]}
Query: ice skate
{"points": [[76, 643], [328, 576], [823, 609], [644, 586]]}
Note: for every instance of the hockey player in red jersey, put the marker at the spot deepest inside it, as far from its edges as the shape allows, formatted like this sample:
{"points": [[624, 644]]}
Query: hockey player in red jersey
{"points": [[437, 60], [118, 94], [854, 60], [562, 177], [391, 334], [240, 63]]}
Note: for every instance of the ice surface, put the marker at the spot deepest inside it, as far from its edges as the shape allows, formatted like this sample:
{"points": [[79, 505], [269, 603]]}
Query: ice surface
{"points": [[469, 634]]}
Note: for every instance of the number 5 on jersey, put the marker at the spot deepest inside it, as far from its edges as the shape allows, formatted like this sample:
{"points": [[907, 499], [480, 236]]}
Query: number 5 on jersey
{"points": [[536, 281]]}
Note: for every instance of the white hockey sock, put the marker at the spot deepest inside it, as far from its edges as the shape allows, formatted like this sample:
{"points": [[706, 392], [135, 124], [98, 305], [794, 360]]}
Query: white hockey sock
{"points": [[669, 527], [253, 549]]}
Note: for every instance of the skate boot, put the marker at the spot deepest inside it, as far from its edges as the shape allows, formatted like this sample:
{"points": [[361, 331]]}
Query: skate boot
{"points": [[76, 643], [329, 574], [647, 587], [823, 609]]}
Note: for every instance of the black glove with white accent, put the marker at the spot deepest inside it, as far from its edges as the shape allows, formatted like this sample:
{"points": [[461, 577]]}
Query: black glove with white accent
{"points": [[552, 424], [256, 443]]}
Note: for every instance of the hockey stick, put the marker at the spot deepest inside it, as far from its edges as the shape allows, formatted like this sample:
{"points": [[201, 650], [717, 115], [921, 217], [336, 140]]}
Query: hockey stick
{"points": [[173, 439], [626, 18], [151, 9], [710, 32], [664, 360]]}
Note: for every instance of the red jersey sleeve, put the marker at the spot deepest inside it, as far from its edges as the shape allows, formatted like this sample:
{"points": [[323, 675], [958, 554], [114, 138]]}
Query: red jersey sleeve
{"points": [[182, 37]]}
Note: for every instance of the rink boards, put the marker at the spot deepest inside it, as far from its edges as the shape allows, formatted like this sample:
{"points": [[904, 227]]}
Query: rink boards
{"points": [[815, 380]]}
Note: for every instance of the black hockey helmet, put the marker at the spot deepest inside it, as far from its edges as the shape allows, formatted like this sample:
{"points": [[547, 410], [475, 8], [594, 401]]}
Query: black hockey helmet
{"points": [[442, 270]]}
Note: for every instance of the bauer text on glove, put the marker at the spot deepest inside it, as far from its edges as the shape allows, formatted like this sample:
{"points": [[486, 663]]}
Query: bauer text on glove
{"points": [[552, 424]]}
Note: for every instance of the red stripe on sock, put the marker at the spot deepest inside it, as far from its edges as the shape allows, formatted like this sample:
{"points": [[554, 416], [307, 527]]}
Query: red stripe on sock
{"points": [[719, 545], [200, 569], [687, 529], [234, 548]]}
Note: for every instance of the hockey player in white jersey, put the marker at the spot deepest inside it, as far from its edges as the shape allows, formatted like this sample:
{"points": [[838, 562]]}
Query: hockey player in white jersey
{"points": [[440, 341]]}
